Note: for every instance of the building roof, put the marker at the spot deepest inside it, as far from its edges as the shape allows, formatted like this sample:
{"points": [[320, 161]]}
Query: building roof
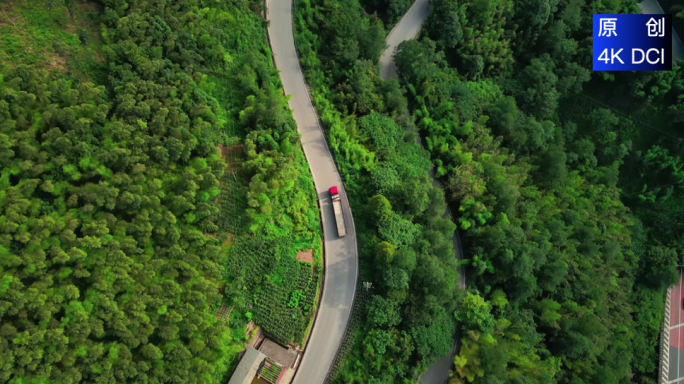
{"points": [[248, 366], [283, 356]]}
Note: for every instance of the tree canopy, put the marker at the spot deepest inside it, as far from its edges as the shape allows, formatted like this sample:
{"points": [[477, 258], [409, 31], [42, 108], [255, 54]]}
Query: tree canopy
{"points": [[117, 208]]}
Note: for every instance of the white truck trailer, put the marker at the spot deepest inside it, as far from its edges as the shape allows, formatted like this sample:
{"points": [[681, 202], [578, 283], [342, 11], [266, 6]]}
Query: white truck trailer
{"points": [[337, 207]]}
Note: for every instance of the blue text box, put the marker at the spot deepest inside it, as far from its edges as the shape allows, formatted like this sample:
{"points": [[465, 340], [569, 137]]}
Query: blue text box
{"points": [[632, 42]]}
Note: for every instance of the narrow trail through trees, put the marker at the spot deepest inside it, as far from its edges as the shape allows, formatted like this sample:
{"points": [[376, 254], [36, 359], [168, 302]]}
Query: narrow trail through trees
{"points": [[408, 28]]}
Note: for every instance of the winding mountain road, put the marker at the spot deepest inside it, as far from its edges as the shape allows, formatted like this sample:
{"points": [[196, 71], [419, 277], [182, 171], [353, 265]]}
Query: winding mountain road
{"points": [[341, 254], [408, 28]]}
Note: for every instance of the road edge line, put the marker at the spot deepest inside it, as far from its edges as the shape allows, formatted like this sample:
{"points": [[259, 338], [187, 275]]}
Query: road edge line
{"points": [[344, 195]]}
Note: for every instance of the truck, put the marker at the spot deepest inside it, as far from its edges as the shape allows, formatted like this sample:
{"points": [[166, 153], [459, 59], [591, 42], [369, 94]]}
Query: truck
{"points": [[337, 207]]}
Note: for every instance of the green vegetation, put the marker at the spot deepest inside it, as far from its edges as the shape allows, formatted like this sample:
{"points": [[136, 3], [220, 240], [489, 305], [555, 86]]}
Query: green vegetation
{"points": [[389, 11], [269, 198], [404, 242], [277, 289], [144, 171], [59, 35], [569, 198], [151, 175]]}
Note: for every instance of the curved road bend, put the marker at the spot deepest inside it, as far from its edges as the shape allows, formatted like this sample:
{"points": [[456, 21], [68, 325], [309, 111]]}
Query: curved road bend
{"points": [[341, 256], [408, 28]]}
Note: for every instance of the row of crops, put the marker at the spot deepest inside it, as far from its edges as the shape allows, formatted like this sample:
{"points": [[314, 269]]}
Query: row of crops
{"points": [[264, 282], [275, 288], [232, 203]]}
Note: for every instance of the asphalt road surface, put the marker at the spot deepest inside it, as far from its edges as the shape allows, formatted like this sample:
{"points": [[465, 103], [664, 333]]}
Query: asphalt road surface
{"points": [[651, 7], [341, 256], [407, 28]]}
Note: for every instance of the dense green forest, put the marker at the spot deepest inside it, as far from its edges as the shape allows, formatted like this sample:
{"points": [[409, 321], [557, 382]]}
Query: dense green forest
{"points": [[152, 185], [404, 241], [569, 196], [568, 186], [153, 191]]}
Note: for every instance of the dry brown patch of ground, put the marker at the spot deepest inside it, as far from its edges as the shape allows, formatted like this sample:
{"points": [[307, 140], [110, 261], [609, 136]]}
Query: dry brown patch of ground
{"points": [[222, 150], [71, 24], [56, 62], [89, 6], [305, 256], [231, 155], [229, 240]]}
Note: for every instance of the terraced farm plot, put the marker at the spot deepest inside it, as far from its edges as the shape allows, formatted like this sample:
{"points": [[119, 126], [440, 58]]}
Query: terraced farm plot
{"points": [[282, 289]]}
